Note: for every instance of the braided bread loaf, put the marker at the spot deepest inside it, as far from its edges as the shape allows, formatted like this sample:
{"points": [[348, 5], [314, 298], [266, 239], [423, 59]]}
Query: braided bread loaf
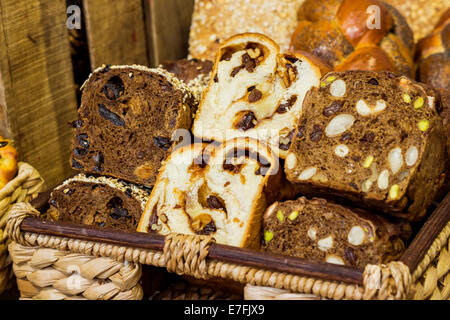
{"points": [[355, 35], [217, 190], [255, 92]]}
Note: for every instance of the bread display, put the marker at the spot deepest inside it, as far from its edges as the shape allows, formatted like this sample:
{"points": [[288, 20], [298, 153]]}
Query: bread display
{"points": [[100, 201], [214, 21], [373, 138], [127, 121], [194, 72], [355, 35], [214, 190], [421, 15], [323, 231], [256, 92]]}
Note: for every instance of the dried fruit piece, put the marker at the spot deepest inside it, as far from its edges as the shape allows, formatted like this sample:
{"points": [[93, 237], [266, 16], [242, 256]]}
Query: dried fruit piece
{"points": [[254, 95], [247, 120], [284, 107], [110, 116], [406, 98], [203, 224], [162, 142], [316, 133], [373, 81], [327, 81], [332, 109], [215, 203], [114, 88], [350, 256], [77, 165]]}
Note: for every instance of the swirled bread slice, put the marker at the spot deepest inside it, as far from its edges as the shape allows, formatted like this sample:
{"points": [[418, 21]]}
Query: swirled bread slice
{"points": [[255, 91], [373, 138], [128, 119], [324, 231], [218, 190]]}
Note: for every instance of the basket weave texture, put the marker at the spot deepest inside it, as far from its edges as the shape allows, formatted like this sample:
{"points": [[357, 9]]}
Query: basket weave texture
{"points": [[26, 185], [187, 255]]}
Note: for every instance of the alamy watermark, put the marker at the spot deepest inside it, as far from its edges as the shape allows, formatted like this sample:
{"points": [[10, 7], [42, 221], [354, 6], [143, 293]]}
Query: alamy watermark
{"points": [[74, 18]]}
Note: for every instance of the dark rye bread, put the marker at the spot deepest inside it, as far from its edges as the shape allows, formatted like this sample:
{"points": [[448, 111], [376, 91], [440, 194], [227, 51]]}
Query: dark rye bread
{"points": [[127, 119], [194, 72], [372, 138], [100, 201], [323, 231]]}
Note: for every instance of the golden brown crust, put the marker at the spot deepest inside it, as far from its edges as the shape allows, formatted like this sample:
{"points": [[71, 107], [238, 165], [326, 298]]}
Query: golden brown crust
{"points": [[367, 58]]}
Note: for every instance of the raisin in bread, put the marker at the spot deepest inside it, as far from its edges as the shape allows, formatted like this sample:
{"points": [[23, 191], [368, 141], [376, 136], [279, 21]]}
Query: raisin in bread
{"points": [[194, 72], [100, 201], [373, 138], [214, 190], [323, 231], [128, 118], [214, 21], [255, 92]]}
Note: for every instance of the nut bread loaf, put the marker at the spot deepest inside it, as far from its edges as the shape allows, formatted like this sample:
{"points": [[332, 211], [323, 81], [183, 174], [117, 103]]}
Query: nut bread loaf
{"points": [[373, 138], [355, 35], [220, 191], [324, 231], [99, 201], [255, 91], [214, 21], [128, 119]]}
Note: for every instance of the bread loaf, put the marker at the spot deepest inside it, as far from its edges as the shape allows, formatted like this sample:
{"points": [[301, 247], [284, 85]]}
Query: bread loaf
{"points": [[127, 121], [255, 91], [355, 35], [214, 190], [214, 21], [323, 231], [373, 138], [100, 201]]}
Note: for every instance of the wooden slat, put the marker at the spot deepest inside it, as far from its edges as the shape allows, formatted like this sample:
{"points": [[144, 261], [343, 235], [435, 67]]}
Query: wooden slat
{"points": [[115, 32], [168, 23], [427, 234], [246, 257], [37, 93]]}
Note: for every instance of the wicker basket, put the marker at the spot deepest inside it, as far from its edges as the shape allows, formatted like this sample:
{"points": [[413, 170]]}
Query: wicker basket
{"points": [[421, 273], [25, 186]]}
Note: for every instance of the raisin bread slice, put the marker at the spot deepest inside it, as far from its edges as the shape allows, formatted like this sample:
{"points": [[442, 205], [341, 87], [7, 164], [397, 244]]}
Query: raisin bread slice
{"points": [[128, 119], [100, 201], [255, 92], [373, 138], [323, 231], [218, 190]]}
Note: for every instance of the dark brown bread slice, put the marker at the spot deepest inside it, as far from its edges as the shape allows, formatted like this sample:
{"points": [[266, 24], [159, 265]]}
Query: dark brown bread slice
{"points": [[194, 72], [323, 231], [100, 201], [375, 139], [127, 120]]}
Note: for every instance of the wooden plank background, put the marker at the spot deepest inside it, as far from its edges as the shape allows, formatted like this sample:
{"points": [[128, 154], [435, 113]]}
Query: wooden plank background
{"points": [[115, 32], [37, 97]]}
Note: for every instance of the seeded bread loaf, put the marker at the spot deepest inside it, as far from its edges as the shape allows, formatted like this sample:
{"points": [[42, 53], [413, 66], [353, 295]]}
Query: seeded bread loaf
{"points": [[214, 190], [355, 35], [128, 117], [214, 21], [256, 92], [323, 231], [373, 138], [194, 72], [99, 201]]}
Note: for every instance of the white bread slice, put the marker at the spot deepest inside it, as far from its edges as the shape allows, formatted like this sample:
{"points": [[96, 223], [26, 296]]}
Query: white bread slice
{"points": [[218, 190], [255, 91]]}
